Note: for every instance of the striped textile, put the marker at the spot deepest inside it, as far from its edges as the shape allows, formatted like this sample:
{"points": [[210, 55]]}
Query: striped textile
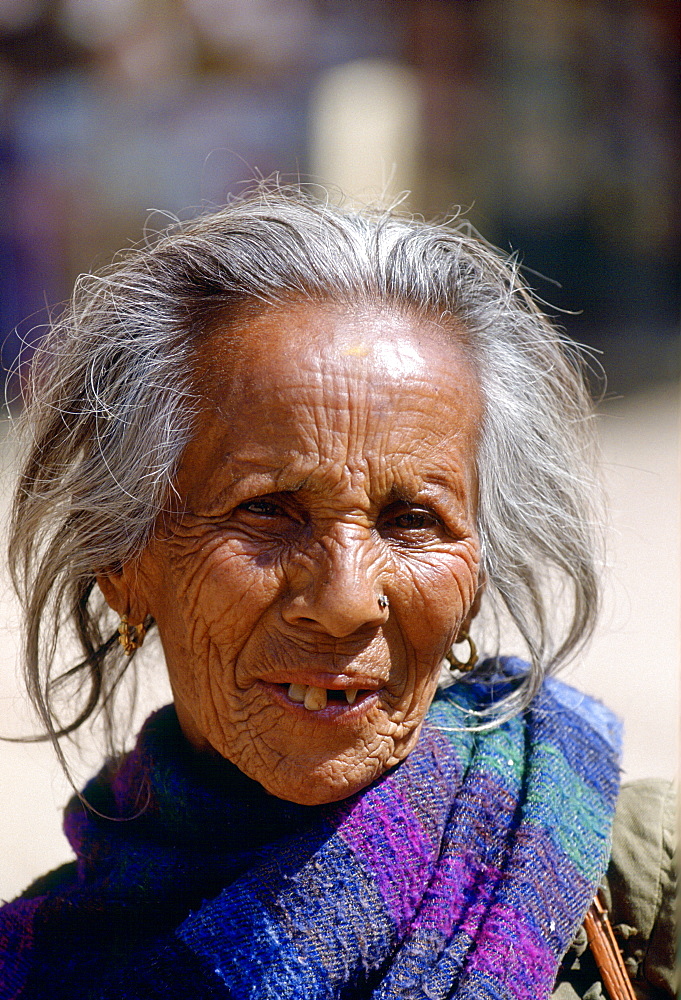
{"points": [[462, 873]]}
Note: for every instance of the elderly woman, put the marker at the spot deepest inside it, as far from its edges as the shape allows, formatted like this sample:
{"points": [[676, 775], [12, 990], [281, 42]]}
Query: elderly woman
{"points": [[305, 445]]}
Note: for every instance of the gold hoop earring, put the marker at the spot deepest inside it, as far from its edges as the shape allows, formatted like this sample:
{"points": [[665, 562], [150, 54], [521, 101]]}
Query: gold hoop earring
{"points": [[130, 636], [458, 665]]}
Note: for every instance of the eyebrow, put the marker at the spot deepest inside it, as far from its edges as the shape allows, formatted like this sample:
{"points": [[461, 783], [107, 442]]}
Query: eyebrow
{"points": [[396, 493], [226, 494]]}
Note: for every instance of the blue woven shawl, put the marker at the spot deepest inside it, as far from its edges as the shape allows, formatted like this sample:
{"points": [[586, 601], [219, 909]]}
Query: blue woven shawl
{"points": [[463, 873]]}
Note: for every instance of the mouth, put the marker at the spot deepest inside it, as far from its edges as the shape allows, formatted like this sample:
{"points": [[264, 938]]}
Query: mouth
{"points": [[317, 698], [322, 701]]}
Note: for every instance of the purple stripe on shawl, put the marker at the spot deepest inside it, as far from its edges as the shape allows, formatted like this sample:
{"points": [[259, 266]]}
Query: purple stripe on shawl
{"points": [[458, 896], [391, 844], [461, 897], [513, 954], [458, 904], [383, 828]]}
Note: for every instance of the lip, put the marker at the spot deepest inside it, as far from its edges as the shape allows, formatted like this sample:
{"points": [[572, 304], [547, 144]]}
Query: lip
{"points": [[335, 711]]}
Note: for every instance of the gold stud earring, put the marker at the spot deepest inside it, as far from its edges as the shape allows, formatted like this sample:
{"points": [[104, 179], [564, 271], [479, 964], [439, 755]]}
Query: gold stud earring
{"points": [[130, 636], [463, 666]]}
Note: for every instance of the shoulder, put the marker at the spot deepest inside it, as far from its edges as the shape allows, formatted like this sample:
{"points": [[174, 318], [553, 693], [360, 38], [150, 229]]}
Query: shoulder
{"points": [[640, 892], [641, 881], [556, 706], [53, 881]]}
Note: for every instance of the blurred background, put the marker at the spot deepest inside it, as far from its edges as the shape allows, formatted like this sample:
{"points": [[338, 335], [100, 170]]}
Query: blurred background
{"points": [[554, 124]]}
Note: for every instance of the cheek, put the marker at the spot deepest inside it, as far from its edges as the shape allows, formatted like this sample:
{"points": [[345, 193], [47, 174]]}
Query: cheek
{"points": [[441, 592], [218, 592], [207, 601]]}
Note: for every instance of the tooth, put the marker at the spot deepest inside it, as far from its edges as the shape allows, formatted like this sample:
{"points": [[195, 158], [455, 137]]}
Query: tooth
{"points": [[296, 692], [351, 694], [315, 699]]}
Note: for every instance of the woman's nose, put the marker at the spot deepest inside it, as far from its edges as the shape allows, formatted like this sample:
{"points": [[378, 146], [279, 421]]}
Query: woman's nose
{"points": [[337, 586]]}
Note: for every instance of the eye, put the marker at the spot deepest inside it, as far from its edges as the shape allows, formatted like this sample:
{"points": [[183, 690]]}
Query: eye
{"points": [[274, 512], [409, 522], [262, 508], [414, 519]]}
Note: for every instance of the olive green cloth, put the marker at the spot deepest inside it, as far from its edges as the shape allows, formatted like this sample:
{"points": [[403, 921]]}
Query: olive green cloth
{"points": [[640, 892]]}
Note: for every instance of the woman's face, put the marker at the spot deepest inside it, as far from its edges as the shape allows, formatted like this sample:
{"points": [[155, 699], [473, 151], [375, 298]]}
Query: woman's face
{"points": [[333, 465]]}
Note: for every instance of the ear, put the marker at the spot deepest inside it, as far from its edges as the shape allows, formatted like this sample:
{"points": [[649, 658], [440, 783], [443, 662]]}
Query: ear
{"points": [[122, 591]]}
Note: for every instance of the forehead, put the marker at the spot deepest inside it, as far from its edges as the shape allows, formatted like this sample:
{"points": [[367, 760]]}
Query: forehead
{"points": [[374, 345], [311, 383]]}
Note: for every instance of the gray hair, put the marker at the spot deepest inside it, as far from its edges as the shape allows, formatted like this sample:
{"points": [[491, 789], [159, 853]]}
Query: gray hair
{"points": [[112, 402]]}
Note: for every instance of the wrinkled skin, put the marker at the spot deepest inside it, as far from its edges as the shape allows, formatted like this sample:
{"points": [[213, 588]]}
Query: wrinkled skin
{"points": [[333, 463]]}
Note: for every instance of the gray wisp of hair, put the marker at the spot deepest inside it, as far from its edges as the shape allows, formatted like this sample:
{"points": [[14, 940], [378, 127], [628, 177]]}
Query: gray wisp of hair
{"points": [[111, 402]]}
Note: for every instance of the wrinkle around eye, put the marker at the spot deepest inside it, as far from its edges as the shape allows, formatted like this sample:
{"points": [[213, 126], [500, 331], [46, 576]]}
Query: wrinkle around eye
{"points": [[268, 530]]}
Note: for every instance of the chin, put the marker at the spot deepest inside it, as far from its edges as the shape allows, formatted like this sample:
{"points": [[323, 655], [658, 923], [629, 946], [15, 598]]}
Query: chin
{"points": [[319, 787], [310, 781]]}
